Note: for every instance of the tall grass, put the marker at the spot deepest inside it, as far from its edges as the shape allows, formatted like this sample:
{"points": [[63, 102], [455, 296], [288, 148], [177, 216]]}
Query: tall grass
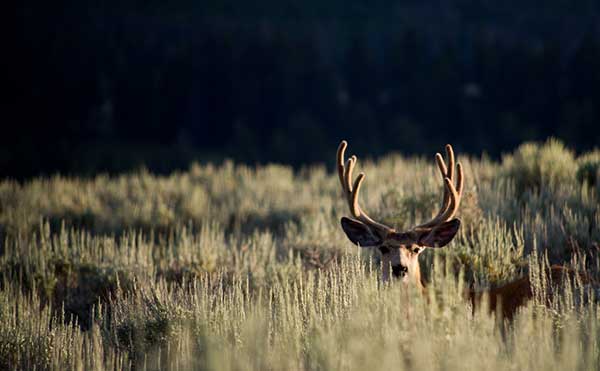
{"points": [[234, 267]]}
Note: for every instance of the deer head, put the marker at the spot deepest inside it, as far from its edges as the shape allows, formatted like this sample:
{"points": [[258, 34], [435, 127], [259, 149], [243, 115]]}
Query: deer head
{"points": [[401, 250]]}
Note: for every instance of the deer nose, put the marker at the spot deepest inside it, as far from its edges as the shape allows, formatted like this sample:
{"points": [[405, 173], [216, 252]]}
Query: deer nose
{"points": [[399, 270]]}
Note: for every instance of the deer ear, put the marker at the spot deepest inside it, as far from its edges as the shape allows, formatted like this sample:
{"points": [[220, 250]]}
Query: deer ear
{"points": [[359, 233], [440, 235]]}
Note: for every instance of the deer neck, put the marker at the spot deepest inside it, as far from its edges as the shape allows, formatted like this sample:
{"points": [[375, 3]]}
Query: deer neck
{"points": [[416, 277]]}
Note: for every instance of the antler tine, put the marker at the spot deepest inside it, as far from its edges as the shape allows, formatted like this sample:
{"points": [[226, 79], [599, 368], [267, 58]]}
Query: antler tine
{"points": [[340, 161], [452, 194], [460, 180], [348, 177], [345, 173], [354, 207], [352, 190], [450, 154], [443, 170]]}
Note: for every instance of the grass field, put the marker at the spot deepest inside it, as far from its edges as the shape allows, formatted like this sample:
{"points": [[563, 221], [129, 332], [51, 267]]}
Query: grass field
{"points": [[238, 268]]}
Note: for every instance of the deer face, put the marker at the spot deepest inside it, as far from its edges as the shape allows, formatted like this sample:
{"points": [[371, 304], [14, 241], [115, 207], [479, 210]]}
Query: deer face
{"points": [[400, 250]]}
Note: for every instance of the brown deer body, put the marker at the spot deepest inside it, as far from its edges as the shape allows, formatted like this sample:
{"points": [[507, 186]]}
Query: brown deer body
{"points": [[513, 295], [400, 250]]}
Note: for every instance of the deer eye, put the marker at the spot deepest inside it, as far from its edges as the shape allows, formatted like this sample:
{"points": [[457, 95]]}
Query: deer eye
{"points": [[416, 250]]}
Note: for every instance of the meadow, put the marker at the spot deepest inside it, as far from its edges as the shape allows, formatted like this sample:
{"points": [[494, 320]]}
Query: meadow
{"points": [[231, 267]]}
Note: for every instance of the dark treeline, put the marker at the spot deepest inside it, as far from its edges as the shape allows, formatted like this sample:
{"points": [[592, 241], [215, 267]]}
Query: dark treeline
{"points": [[97, 87]]}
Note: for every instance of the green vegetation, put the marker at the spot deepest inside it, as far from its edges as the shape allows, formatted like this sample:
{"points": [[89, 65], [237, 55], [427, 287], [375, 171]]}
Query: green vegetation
{"points": [[234, 267], [589, 168], [536, 166]]}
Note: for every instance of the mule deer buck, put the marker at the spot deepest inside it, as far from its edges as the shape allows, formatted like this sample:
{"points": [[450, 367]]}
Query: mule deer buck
{"points": [[400, 250]]}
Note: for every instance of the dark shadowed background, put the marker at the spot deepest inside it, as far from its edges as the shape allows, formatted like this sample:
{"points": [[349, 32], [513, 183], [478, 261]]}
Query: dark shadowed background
{"points": [[114, 85]]}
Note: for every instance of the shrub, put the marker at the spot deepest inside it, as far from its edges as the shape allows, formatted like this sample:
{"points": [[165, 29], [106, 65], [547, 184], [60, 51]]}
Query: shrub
{"points": [[535, 166], [588, 167]]}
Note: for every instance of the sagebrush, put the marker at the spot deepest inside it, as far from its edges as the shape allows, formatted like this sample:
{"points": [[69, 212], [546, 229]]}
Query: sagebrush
{"points": [[236, 267]]}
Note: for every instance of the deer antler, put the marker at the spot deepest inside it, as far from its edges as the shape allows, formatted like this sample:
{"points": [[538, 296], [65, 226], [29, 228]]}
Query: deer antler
{"points": [[351, 191], [452, 194]]}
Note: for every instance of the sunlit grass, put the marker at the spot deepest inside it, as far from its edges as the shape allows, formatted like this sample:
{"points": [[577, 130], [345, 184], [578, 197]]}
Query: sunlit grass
{"points": [[234, 267]]}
